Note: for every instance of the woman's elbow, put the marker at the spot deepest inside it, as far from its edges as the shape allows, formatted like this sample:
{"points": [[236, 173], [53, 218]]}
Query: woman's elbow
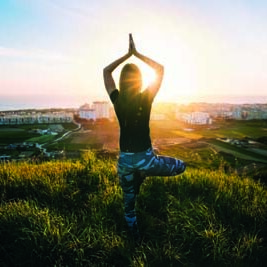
{"points": [[106, 73], [162, 68], [160, 71]]}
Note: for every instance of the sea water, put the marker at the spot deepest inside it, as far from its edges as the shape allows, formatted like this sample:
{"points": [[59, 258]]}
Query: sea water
{"points": [[44, 101], [40, 102]]}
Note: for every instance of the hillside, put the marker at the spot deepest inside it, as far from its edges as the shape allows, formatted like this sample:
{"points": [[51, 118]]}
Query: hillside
{"points": [[70, 213]]}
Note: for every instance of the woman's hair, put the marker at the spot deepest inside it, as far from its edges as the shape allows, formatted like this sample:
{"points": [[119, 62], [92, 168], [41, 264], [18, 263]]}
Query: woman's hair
{"points": [[130, 80]]}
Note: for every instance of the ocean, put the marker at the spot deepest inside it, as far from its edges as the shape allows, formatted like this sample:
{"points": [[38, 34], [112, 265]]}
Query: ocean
{"points": [[45, 101], [41, 102], [230, 99]]}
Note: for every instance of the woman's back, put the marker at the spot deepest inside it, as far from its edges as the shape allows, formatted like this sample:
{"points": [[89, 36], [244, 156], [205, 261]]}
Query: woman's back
{"points": [[133, 115]]}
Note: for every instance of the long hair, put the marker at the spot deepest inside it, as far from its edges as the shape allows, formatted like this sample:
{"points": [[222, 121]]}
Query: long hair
{"points": [[130, 80]]}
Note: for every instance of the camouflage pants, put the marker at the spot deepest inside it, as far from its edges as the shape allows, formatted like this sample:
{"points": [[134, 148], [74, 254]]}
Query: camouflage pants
{"points": [[132, 170]]}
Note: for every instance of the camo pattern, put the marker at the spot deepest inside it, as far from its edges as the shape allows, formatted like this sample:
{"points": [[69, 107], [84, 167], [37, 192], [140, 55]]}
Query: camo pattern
{"points": [[132, 170]]}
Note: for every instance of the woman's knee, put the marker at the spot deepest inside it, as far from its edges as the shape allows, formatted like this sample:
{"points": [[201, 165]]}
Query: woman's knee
{"points": [[180, 167]]}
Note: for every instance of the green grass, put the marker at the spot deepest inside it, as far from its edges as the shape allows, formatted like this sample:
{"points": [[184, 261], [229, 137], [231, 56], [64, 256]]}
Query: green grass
{"points": [[66, 126], [70, 213], [230, 129], [73, 147], [237, 151], [10, 134], [42, 139], [236, 129], [14, 136]]}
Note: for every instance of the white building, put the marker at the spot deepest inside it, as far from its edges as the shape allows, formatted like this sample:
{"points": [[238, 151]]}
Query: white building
{"points": [[86, 112], [157, 117], [199, 118], [101, 109], [237, 113], [31, 118]]}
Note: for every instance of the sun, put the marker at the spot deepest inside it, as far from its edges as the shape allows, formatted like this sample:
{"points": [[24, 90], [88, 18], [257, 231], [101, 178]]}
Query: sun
{"points": [[181, 81], [181, 77], [148, 76]]}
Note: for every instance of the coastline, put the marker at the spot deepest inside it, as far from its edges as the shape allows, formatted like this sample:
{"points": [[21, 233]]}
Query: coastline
{"points": [[8, 103]]}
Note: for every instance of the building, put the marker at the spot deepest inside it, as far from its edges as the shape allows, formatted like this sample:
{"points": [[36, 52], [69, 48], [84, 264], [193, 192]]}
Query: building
{"points": [[31, 118], [197, 118], [101, 109], [237, 113], [98, 110], [86, 112], [157, 117]]}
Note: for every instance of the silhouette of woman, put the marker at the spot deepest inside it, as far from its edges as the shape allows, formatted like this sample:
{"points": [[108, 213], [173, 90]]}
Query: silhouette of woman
{"points": [[137, 158]]}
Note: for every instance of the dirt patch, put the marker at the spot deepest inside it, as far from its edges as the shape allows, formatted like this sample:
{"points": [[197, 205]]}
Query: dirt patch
{"points": [[108, 139], [170, 141], [195, 144]]}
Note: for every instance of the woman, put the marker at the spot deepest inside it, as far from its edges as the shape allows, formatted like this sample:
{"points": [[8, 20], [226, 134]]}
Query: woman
{"points": [[132, 107]]}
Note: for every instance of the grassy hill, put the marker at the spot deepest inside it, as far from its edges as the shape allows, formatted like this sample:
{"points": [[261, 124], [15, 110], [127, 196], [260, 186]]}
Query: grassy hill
{"points": [[70, 213]]}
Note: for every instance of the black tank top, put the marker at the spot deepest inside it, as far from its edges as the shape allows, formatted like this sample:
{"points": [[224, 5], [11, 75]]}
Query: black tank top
{"points": [[133, 118]]}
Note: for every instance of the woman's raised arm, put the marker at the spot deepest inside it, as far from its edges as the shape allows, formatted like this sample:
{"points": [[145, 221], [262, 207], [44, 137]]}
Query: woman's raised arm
{"points": [[107, 72], [159, 69]]}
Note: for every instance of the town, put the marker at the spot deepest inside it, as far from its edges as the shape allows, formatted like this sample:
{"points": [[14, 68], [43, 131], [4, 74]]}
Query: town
{"points": [[194, 113], [54, 133]]}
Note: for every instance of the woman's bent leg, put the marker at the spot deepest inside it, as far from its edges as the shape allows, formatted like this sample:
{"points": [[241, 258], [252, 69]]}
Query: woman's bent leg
{"points": [[163, 165]]}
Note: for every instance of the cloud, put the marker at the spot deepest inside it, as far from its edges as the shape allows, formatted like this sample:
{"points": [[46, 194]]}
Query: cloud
{"points": [[33, 55], [79, 9]]}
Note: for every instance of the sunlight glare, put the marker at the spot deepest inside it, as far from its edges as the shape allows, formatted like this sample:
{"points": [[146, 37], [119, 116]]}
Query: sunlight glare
{"points": [[148, 76]]}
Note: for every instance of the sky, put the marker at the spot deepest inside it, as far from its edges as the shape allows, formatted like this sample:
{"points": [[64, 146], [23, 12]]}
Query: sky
{"points": [[58, 48]]}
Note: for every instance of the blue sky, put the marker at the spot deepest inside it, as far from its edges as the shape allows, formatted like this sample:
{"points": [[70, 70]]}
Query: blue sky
{"points": [[59, 47]]}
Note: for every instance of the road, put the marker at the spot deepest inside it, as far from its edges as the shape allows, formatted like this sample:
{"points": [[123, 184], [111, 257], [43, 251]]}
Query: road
{"points": [[241, 155], [63, 136]]}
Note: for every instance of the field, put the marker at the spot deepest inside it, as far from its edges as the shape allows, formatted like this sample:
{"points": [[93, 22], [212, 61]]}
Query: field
{"points": [[70, 213], [24, 133], [14, 135], [199, 146], [233, 145]]}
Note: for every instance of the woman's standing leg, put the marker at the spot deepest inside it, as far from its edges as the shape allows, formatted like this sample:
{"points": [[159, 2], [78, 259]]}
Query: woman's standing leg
{"points": [[127, 185], [127, 182], [128, 179]]}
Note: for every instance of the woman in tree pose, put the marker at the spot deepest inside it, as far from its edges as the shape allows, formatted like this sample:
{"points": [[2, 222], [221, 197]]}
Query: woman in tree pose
{"points": [[137, 158]]}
